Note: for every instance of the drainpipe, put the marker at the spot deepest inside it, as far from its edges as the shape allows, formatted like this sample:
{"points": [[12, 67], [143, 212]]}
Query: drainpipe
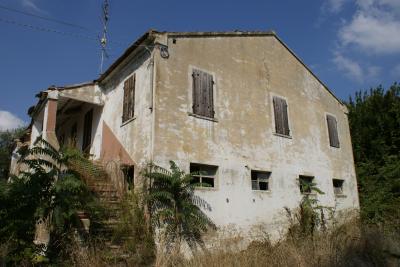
{"points": [[152, 99]]}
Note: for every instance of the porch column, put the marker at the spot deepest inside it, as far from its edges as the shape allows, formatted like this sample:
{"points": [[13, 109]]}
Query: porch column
{"points": [[42, 233], [50, 118]]}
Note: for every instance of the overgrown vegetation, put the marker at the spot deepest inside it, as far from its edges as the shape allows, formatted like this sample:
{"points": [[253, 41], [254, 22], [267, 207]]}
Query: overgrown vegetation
{"points": [[374, 118], [348, 244], [309, 217], [6, 148], [53, 189], [172, 207], [46, 191], [134, 233]]}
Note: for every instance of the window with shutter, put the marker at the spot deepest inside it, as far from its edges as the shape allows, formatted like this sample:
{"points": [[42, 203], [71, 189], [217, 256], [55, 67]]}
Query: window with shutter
{"points": [[332, 131], [129, 99], [87, 131], [281, 116], [203, 100]]}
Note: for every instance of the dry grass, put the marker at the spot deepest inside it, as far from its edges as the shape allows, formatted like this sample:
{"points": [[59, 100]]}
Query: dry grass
{"points": [[344, 245]]}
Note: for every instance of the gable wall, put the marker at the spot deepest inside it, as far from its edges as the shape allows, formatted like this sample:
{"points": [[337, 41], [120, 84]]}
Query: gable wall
{"points": [[248, 71]]}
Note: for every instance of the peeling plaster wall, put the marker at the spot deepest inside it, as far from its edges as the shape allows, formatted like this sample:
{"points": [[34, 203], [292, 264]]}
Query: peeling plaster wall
{"points": [[248, 72], [134, 135]]}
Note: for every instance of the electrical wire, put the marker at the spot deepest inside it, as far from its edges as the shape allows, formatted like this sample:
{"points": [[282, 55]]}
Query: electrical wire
{"points": [[75, 35], [44, 18], [44, 29]]}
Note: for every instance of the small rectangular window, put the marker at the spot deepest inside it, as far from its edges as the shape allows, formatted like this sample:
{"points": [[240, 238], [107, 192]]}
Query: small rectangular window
{"points": [[128, 108], [305, 183], [203, 174], [260, 180], [203, 99], [281, 116], [338, 186], [332, 131]]}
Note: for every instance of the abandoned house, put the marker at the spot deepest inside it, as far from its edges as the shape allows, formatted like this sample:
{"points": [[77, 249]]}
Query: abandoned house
{"points": [[240, 107]]}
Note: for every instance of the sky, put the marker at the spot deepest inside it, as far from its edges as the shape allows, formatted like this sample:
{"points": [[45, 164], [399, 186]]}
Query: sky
{"points": [[350, 45]]}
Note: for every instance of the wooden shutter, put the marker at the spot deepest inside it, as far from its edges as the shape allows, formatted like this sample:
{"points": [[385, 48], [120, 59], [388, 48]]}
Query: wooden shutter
{"points": [[87, 130], [332, 131], [203, 100], [281, 116], [129, 98], [125, 103], [132, 81]]}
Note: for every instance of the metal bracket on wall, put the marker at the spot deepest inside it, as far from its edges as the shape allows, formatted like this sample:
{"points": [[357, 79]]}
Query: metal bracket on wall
{"points": [[163, 51]]}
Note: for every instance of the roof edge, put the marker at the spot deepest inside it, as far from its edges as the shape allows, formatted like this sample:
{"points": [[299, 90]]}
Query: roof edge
{"points": [[229, 33], [309, 70], [127, 52]]}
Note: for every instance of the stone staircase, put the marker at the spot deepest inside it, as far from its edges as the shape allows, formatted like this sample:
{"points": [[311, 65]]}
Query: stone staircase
{"points": [[102, 186]]}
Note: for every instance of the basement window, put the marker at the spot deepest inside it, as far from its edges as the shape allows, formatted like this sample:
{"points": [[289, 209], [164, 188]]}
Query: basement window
{"points": [[338, 186], [204, 175], [260, 180], [305, 183]]}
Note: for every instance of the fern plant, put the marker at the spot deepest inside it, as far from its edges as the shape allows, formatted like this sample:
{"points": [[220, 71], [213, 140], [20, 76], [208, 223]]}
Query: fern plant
{"points": [[46, 189], [171, 201]]}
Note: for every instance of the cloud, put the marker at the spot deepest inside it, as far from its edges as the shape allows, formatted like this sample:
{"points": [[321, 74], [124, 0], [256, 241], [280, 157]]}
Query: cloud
{"points": [[31, 5], [350, 67], [335, 6], [9, 121], [374, 27]]}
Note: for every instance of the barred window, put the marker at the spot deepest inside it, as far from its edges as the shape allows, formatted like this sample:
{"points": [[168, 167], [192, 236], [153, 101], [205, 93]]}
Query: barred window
{"points": [[260, 180]]}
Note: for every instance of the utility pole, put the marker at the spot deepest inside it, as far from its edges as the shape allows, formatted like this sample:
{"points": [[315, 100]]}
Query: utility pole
{"points": [[103, 39]]}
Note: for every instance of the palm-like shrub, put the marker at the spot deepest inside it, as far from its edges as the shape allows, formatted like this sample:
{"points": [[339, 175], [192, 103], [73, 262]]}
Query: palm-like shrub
{"points": [[171, 202], [46, 189], [309, 216]]}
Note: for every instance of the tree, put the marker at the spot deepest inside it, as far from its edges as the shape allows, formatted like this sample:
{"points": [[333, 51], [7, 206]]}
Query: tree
{"points": [[171, 201], [309, 216], [47, 189], [6, 148], [374, 119]]}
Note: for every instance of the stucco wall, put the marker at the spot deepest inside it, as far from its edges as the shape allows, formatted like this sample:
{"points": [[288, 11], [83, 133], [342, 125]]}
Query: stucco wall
{"points": [[134, 135], [248, 72]]}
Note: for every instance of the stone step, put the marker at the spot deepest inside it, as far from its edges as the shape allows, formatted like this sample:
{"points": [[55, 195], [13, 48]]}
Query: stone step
{"points": [[106, 193], [106, 198]]}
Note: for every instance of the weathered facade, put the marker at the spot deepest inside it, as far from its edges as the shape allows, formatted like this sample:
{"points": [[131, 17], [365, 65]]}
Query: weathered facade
{"points": [[239, 106]]}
